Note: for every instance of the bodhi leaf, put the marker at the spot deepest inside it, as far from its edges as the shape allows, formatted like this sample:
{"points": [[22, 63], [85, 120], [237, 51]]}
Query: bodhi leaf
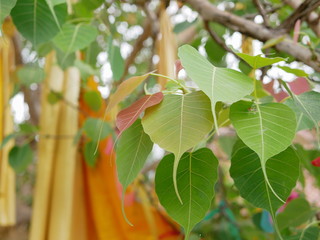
{"points": [[268, 128], [5, 8], [129, 115], [96, 129], [196, 175], [258, 62], [178, 123], [219, 84], [90, 155], [116, 60], [75, 37], [36, 22], [93, 100], [306, 107], [293, 218], [30, 74], [246, 170], [132, 151]]}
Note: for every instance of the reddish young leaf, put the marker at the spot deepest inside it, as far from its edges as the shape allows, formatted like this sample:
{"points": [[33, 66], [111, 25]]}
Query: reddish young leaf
{"points": [[129, 115], [316, 162]]}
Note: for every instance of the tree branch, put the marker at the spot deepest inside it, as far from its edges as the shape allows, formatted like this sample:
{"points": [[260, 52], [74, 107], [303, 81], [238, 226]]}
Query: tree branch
{"points": [[211, 13], [262, 11], [300, 12]]}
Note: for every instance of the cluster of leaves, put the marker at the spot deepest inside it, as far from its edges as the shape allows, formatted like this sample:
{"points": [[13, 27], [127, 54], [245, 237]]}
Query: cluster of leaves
{"points": [[264, 165]]}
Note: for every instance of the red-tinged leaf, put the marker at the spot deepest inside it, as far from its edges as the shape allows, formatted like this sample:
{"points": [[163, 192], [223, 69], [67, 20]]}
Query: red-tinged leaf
{"points": [[125, 89], [300, 85], [316, 162], [130, 114]]}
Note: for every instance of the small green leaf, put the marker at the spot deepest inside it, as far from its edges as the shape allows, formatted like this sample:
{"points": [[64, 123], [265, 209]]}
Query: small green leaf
{"points": [[132, 151], [28, 128], [91, 54], [96, 129], [54, 97], [196, 176], [5, 8], [36, 22], [116, 61], [258, 62], [290, 217], [93, 100], [178, 123], [20, 157], [219, 84], [90, 155], [6, 139], [297, 72], [75, 37], [30, 74], [85, 69], [311, 233], [272, 42]]}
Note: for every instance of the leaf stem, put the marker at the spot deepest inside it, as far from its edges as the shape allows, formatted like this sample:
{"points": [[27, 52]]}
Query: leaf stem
{"points": [[184, 89]]}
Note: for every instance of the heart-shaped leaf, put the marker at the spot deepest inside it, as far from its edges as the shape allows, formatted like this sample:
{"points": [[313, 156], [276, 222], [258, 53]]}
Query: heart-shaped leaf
{"points": [[282, 171], [268, 128], [20, 157], [132, 151], [219, 84], [197, 175], [178, 123], [36, 22], [129, 115]]}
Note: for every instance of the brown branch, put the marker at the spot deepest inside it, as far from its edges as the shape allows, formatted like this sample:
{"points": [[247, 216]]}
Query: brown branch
{"points": [[216, 38], [312, 19], [211, 13], [262, 11], [300, 12]]}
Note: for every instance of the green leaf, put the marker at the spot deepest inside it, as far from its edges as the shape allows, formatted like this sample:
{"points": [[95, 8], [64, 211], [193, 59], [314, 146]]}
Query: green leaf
{"points": [[27, 128], [20, 157], [180, 27], [196, 176], [75, 37], [282, 171], [306, 107], [116, 61], [297, 72], [65, 60], [93, 100], [96, 129], [5, 8], [90, 153], [273, 41], [6, 139], [36, 22], [91, 53], [311, 233], [30, 74], [178, 123], [54, 97], [258, 62], [85, 69], [290, 217], [132, 151], [219, 84], [268, 128]]}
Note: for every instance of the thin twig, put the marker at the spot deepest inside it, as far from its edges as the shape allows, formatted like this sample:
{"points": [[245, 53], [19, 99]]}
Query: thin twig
{"points": [[263, 12]]}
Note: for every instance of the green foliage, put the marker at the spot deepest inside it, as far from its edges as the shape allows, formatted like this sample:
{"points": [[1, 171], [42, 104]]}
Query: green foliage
{"points": [[116, 60], [20, 157], [36, 22], [90, 153], [219, 84], [96, 129], [30, 74], [93, 100], [5, 8], [197, 174], [178, 123], [258, 62]]}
